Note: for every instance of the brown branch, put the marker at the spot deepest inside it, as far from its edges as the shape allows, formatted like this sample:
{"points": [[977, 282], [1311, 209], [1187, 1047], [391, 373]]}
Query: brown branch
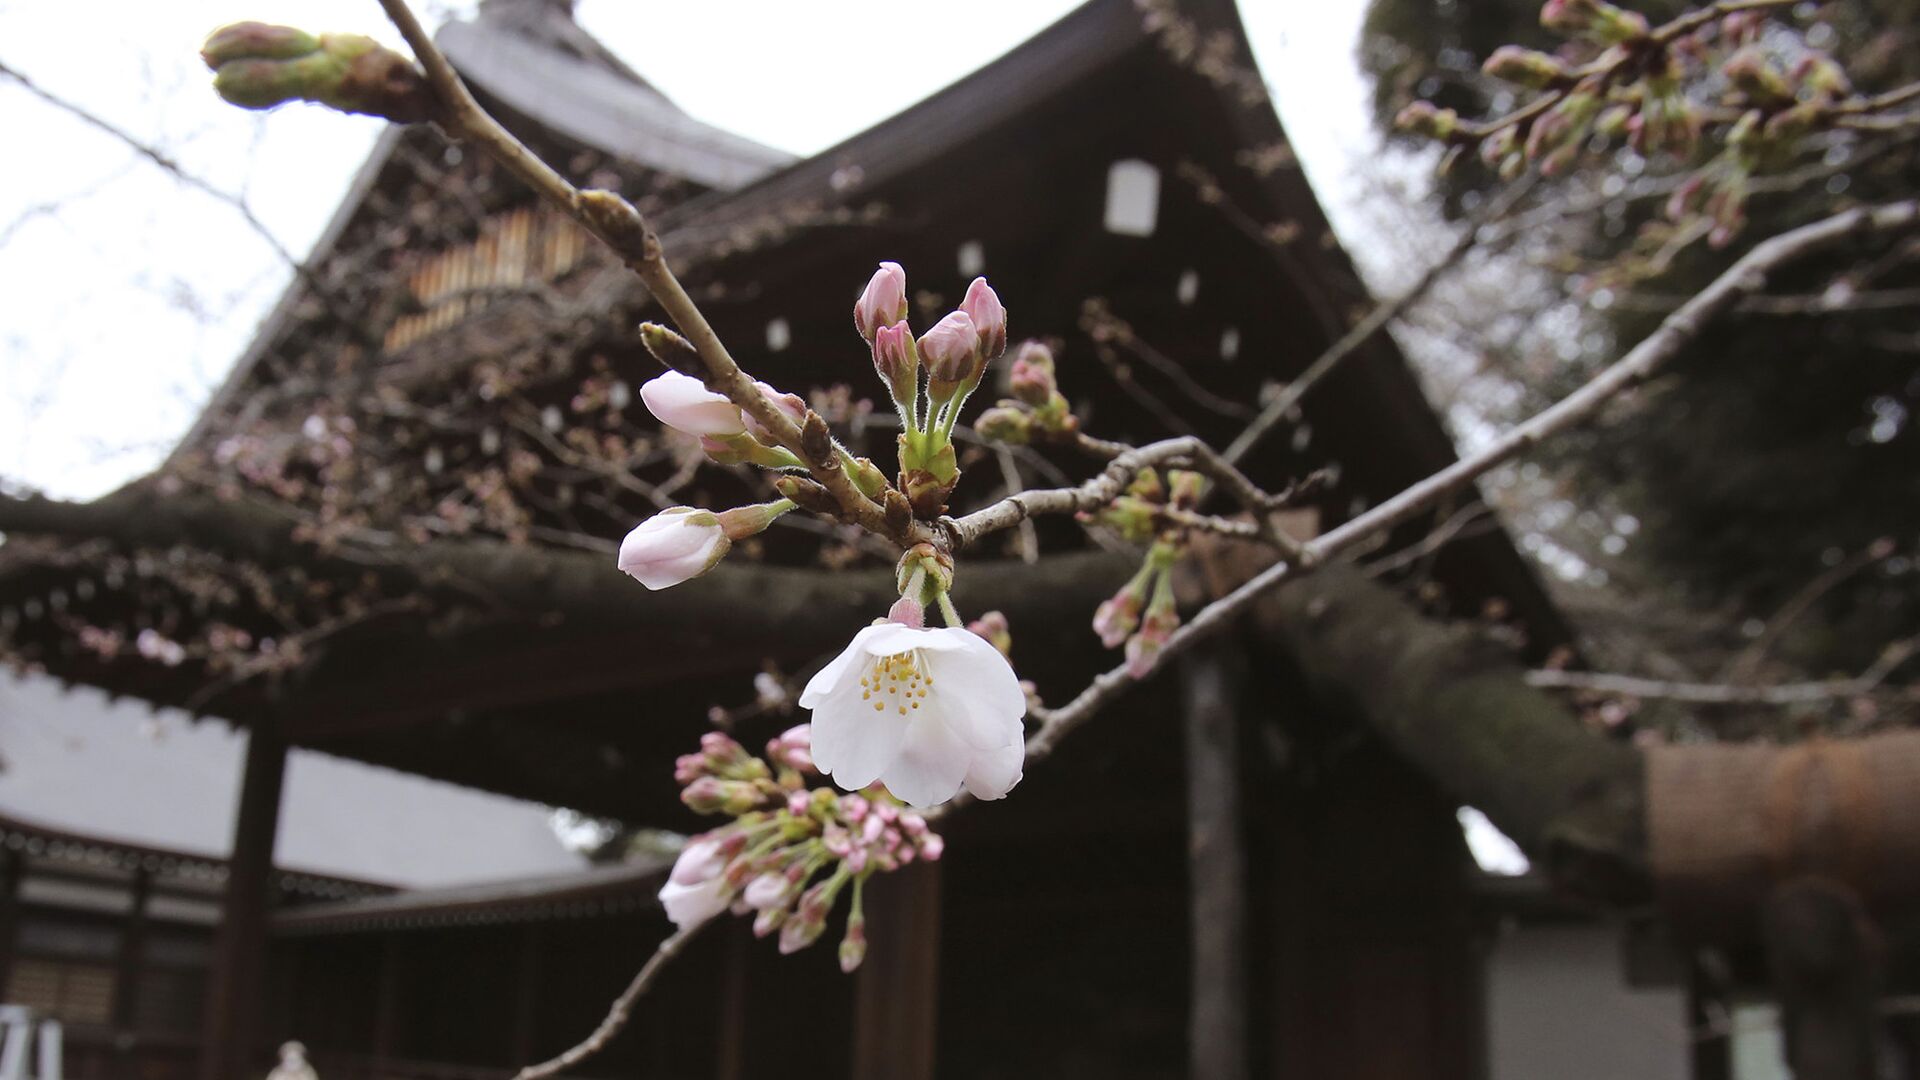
{"points": [[622, 1009]]}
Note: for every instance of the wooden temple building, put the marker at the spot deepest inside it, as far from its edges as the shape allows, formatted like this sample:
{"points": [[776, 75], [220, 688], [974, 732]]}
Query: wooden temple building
{"points": [[1221, 879]]}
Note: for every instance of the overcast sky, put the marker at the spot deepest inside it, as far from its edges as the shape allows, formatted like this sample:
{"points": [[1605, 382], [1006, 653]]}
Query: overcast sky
{"points": [[125, 297]]}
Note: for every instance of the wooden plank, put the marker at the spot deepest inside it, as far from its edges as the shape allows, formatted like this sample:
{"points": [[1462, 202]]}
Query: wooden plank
{"points": [[1217, 871], [238, 979], [898, 991]]}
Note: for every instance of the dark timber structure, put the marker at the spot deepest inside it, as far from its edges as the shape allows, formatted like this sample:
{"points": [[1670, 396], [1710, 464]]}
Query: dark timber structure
{"points": [[1221, 869]]}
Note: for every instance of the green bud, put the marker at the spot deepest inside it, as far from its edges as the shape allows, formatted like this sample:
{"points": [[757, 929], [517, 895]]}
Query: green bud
{"points": [[257, 66], [1005, 423]]}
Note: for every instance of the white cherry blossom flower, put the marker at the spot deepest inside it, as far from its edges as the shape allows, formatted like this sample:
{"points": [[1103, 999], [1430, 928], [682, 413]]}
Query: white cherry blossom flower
{"points": [[923, 711], [696, 889]]}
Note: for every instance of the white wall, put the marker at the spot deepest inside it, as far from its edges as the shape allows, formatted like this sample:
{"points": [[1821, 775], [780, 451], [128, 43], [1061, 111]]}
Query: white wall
{"points": [[1559, 1008]]}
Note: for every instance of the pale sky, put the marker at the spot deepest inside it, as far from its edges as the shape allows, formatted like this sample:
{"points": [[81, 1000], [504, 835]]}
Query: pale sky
{"points": [[125, 297]]}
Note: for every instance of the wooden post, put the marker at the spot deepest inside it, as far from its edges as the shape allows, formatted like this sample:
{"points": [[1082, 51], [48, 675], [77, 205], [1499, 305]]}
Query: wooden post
{"points": [[13, 867], [1216, 869], [735, 979], [899, 985], [526, 996], [133, 947], [386, 1003], [1826, 958], [240, 949]]}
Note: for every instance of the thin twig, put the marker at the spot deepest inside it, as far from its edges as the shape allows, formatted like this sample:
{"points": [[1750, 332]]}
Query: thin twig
{"points": [[622, 1009], [336, 308]]}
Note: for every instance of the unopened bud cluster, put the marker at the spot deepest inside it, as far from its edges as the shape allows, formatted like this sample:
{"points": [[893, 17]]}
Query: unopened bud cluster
{"points": [[1037, 411], [929, 379], [258, 66], [1142, 616], [1635, 90], [791, 851]]}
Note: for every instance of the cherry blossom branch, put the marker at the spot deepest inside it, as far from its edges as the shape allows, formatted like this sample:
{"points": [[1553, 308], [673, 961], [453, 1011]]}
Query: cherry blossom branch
{"points": [[619, 225], [1868, 683], [1609, 64], [1745, 277], [622, 1009], [1187, 451]]}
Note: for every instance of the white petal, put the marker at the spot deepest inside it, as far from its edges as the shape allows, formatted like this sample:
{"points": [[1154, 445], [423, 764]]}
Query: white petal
{"points": [[688, 905], [931, 764], [829, 677], [852, 741], [980, 694], [892, 639], [994, 772]]}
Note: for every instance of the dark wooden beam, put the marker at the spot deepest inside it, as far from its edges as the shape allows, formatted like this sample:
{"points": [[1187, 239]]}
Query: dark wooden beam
{"points": [[13, 866], [240, 951], [386, 1002], [897, 997], [1216, 867], [133, 948]]}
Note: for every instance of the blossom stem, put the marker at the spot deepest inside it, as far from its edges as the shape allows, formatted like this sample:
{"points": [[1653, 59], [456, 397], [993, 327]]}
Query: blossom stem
{"points": [[947, 611]]}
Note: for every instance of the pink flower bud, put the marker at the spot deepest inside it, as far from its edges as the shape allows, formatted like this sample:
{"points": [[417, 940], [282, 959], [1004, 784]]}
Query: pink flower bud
{"points": [[798, 803], [854, 807], [871, 828], [951, 350], [675, 545], [792, 404], [884, 302], [932, 846], [768, 921], [908, 612], [853, 947], [895, 358], [983, 306], [913, 825], [1031, 378], [766, 891], [684, 404], [800, 932], [793, 748]]}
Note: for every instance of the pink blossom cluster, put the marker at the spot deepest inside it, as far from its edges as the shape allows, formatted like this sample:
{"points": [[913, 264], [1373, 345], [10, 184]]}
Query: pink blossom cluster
{"points": [[791, 850]]}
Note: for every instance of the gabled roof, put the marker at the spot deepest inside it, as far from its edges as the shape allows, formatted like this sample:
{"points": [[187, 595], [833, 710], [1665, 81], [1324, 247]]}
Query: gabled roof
{"points": [[596, 104], [78, 764]]}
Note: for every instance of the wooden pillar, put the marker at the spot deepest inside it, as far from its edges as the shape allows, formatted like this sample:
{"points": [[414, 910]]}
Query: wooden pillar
{"points": [[13, 867], [1826, 958], [238, 978], [133, 948], [386, 1003], [735, 980], [1216, 868], [526, 995], [898, 992]]}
